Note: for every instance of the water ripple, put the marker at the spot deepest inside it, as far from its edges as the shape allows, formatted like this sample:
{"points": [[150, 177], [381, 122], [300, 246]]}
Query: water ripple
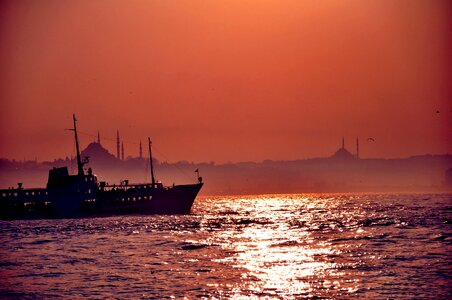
{"points": [[331, 246]]}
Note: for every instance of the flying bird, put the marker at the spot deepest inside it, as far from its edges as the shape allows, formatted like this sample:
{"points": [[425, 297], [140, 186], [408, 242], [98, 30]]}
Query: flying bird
{"points": [[370, 139]]}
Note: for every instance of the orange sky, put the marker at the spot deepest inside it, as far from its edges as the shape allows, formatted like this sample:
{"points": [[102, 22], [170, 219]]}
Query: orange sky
{"points": [[227, 80]]}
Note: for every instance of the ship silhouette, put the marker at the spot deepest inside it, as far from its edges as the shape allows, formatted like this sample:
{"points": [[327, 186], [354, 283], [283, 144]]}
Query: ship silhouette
{"points": [[83, 195]]}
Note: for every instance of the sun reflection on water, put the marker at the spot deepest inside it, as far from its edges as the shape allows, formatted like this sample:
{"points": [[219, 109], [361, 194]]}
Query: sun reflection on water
{"points": [[281, 251]]}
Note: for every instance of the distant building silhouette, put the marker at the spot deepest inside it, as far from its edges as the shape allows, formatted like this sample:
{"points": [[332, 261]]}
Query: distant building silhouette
{"points": [[98, 137], [342, 153], [98, 154], [141, 151]]}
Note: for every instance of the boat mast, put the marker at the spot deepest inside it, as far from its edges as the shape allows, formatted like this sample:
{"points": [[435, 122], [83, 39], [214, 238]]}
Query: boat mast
{"points": [[79, 160], [150, 161]]}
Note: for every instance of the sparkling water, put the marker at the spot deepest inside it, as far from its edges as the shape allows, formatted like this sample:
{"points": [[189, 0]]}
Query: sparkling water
{"points": [[332, 246]]}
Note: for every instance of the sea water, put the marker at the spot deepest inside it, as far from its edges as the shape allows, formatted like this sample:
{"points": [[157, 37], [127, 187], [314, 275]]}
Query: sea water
{"points": [[332, 246]]}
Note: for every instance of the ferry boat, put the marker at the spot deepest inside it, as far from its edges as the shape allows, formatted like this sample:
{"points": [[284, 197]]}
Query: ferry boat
{"points": [[82, 195]]}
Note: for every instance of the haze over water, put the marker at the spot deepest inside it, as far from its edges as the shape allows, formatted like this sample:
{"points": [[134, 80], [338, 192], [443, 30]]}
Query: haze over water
{"points": [[341, 246]]}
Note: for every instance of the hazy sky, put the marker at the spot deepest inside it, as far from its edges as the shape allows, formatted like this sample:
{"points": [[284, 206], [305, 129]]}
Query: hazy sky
{"points": [[227, 80]]}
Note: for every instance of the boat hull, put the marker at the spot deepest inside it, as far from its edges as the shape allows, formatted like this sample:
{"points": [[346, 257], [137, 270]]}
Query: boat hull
{"points": [[121, 200], [171, 200]]}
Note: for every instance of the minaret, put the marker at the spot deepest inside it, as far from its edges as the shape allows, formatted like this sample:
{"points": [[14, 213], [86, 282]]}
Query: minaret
{"points": [[343, 143], [357, 148], [122, 150], [98, 137], [141, 151], [117, 145]]}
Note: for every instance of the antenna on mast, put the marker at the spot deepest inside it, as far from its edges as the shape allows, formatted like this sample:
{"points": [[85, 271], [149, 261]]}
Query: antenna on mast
{"points": [[79, 160], [150, 161]]}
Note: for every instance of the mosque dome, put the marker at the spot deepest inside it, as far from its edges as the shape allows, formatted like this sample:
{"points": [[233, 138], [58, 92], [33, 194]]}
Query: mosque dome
{"points": [[343, 154], [97, 153]]}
